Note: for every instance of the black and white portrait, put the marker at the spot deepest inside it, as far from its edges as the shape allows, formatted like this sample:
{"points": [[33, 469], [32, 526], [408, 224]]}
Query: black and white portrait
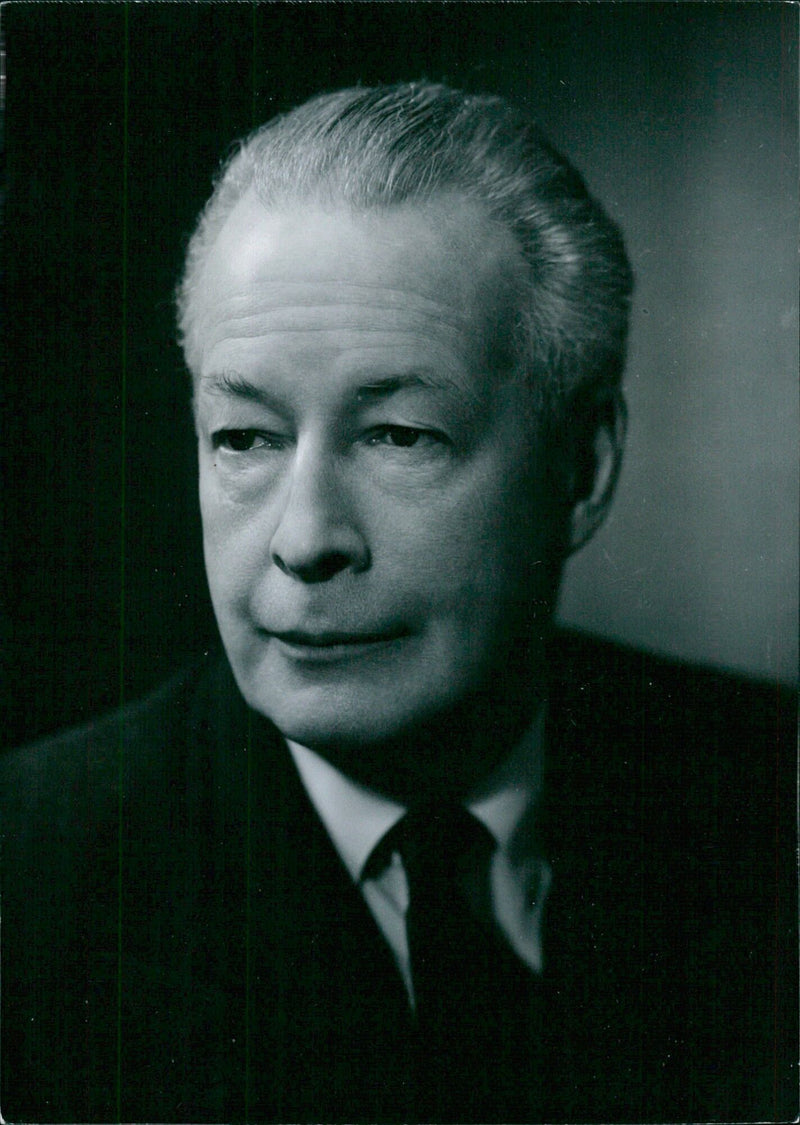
{"points": [[400, 563]]}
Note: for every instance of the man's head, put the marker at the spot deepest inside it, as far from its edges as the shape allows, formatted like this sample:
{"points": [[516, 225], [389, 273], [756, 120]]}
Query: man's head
{"points": [[405, 322]]}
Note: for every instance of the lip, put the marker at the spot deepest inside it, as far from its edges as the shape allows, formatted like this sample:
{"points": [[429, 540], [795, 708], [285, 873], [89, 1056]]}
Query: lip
{"points": [[333, 644]]}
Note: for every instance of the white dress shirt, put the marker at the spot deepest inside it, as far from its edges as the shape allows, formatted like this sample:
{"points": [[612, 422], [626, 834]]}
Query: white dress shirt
{"points": [[357, 818]]}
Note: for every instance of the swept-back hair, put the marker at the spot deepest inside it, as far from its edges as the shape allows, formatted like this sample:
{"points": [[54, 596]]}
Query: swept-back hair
{"points": [[371, 148]]}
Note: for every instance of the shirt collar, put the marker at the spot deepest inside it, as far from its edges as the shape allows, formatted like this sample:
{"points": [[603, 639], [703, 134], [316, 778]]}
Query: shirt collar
{"points": [[502, 800], [356, 817]]}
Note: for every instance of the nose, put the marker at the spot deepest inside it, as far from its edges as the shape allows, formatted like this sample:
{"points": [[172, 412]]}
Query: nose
{"points": [[316, 535]]}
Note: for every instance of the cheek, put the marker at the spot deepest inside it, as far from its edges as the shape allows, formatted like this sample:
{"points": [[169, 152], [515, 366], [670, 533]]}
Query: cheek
{"points": [[215, 531], [229, 514], [230, 544], [483, 550]]}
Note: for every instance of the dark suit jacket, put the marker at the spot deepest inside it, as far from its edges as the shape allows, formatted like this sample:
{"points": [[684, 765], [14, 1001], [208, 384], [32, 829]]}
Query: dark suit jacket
{"points": [[181, 943]]}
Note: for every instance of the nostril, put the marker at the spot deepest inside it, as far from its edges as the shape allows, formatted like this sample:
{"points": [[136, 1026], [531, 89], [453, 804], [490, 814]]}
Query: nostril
{"points": [[320, 569], [328, 566]]}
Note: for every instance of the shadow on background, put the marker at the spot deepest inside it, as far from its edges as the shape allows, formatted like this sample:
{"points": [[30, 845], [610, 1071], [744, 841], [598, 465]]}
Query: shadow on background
{"points": [[683, 119]]}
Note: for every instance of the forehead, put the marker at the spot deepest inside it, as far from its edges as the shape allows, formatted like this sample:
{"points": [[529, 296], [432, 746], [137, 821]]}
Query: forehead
{"points": [[418, 267]]}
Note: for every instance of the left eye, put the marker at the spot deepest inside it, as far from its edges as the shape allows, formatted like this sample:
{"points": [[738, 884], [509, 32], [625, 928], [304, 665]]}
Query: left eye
{"points": [[402, 437]]}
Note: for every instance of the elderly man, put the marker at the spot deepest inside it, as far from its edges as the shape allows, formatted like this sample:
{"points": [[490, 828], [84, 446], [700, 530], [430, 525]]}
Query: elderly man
{"points": [[403, 853]]}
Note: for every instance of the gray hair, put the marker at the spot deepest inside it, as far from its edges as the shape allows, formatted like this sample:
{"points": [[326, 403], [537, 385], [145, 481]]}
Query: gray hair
{"points": [[371, 148]]}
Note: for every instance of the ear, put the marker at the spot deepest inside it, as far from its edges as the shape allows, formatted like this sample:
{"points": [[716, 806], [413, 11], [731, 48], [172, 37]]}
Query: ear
{"points": [[600, 439]]}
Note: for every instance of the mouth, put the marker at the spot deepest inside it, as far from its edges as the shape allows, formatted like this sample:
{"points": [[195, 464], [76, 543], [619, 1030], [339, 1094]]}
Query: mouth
{"points": [[332, 644]]}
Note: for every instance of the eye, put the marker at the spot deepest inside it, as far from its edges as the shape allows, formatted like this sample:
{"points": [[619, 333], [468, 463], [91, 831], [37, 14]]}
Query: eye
{"points": [[243, 441], [238, 441], [401, 437]]}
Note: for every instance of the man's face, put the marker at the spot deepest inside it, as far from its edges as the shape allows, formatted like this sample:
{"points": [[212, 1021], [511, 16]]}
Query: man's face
{"points": [[376, 527]]}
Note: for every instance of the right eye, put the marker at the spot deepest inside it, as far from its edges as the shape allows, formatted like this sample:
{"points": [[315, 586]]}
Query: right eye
{"points": [[243, 441]]}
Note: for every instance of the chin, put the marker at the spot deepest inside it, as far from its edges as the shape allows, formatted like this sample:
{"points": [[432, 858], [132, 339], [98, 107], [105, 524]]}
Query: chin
{"points": [[345, 704], [340, 725]]}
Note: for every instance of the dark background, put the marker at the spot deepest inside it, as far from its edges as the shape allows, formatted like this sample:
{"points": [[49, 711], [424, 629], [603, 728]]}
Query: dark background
{"points": [[683, 118]]}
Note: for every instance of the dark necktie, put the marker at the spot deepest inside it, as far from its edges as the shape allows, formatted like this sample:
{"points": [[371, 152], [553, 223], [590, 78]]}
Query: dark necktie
{"points": [[473, 997], [440, 845]]}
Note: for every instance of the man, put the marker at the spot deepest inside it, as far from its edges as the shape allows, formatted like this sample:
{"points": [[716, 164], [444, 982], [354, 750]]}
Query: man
{"points": [[403, 854]]}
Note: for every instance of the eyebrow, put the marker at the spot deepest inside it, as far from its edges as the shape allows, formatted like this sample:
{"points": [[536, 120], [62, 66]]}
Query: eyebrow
{"points": [[374, 389], [236, 386], [391, 384]]}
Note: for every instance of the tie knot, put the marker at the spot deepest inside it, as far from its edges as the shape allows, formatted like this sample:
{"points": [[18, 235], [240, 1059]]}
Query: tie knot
{"points": [[440, 837]]}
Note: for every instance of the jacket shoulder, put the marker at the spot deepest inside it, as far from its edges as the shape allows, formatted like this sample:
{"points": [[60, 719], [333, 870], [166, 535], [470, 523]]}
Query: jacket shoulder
{"points": [[670, 818], [54, 774], [699, 763], [687, 725], [677, 692]]}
